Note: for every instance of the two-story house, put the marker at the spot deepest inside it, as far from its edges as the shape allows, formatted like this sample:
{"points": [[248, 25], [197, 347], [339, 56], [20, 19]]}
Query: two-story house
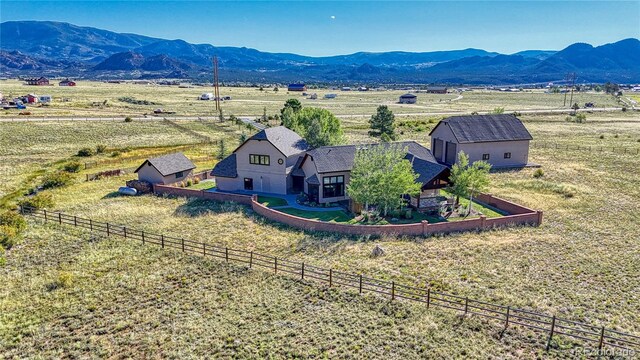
{"points": [[263, 163]]}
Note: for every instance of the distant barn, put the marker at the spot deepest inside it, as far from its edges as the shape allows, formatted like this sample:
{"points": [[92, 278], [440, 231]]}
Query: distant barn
{"points": [[437, 90], [41, 81], [408, 99], [297, 87]]}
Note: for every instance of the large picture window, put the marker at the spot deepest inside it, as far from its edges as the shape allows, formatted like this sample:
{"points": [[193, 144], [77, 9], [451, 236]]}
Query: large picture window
{"points": [[332, 186], [259, 159]]}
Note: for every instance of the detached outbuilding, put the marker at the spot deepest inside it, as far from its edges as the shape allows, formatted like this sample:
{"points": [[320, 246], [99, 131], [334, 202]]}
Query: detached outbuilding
{"points": [[501, 140], [167, 169], [408, 99]]}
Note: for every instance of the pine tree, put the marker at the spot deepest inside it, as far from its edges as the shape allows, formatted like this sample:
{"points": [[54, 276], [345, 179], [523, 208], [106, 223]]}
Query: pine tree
{"points": [[383, 123]]}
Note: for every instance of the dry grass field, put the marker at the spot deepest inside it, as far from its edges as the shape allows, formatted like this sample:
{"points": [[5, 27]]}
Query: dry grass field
{"points": [[102, 99], [68, 295]]}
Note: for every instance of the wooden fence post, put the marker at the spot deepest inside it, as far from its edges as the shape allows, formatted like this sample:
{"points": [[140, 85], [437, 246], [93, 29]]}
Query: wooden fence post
{"points": [[428, 297], [275, 265], [162, 240], [393, 290], [330, 277], [553, 325], [506, 324], [182, 244], [108, 229], [142, 236], [60, 218], [302, 272], [601, 342], [124, 230], [360, 287], [226, 254], [250, 259], [90, 225], [75, 220], [466, 305], [45, 215]]}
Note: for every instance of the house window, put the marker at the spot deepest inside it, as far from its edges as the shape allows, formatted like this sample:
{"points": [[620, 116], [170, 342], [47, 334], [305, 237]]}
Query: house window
{"points": [[485, 156], [259, 159], [332, 186], [179, 174], [507, 155]]}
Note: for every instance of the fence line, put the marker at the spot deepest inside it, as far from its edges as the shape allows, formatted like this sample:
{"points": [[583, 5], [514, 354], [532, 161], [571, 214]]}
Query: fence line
{"points": [[599, 148], [548, 324]]}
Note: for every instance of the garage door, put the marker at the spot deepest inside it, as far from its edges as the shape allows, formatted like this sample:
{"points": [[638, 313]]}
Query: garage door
{"points": [[437, 149], [451, 153]]}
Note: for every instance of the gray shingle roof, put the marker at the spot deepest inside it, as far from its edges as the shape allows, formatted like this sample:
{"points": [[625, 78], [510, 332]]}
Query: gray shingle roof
{"points": [[226, 167], [170, 164], [341, 158], [313, 180], [297, 170], [407, 96], [287, 141], [486, 128]]}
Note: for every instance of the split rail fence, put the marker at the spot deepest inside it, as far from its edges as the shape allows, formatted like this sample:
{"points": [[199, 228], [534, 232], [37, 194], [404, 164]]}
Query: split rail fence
{"points": [[598, 336], [590, 148]]}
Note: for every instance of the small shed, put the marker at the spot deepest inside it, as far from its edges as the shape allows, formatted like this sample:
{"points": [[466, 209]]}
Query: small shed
{"points": [[32, 99], [297, 87], [45, 98], [167, 169], [408, 99], [330, 96]]}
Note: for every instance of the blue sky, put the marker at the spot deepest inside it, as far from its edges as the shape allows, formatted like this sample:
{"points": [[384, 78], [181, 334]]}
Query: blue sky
{"points": [[339, 27]]}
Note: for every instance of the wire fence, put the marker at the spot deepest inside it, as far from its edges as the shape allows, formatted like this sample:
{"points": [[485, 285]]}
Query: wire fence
{"points": [[551, 325]]}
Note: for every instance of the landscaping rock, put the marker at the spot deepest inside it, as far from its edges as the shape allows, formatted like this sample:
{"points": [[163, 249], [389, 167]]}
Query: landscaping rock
{"points": [[377, 251], [143, 187]]}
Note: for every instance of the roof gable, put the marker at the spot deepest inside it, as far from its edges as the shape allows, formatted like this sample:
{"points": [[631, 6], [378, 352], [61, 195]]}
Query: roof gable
{"points": [[226, 167], [288, 142], [169, 164], [486, 128]]}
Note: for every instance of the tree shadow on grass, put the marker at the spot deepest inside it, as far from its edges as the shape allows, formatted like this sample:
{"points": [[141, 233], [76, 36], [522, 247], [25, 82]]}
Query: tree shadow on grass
{"points": [[200, 207], [113, 194]]}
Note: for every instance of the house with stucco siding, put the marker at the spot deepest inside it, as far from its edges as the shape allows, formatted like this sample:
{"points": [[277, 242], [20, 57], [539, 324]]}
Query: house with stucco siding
{"points": [[502, 140]]}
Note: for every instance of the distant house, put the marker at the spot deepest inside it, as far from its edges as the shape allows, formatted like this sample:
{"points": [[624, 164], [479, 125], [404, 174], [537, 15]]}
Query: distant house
{"points": [[31, 99], [501, 140], [330, 96], [297, 87], [44, 98], [346, 88], [363, 88], [408, 99], [437, 89], [67, 82], [41, 81], [167, 169]]}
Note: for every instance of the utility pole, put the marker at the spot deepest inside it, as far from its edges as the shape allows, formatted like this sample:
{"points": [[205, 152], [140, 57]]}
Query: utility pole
{"points": [[569, 78], [573, 85], [216, 87]]}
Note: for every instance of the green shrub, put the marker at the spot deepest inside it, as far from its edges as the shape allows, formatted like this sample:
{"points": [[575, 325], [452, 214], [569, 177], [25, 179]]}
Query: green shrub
{"points": [[601, 136], [538, 173], [196, 180], [8, 236], [85, 152], [72, 167], [580, 118], [128, 119], [408, 214], [58, 179], [189, 182], [14, 220], [63, 280], [101, 149], [115, 153], [41, 200]]}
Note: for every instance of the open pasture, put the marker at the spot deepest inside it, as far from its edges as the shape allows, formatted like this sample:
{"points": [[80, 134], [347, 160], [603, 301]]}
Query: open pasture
{"points": [[582, 263], [89, 99]]}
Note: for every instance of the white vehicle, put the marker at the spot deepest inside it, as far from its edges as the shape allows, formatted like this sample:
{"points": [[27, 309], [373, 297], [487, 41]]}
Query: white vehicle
{"points": [[206, 96]]}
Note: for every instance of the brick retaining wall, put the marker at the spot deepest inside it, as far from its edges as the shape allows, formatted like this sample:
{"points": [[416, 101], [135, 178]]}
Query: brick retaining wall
{"points": [[519, 215]]}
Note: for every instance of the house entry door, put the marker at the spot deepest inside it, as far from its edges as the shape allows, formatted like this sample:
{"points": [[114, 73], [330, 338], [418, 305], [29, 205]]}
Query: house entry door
{"points": [[314, 192]]}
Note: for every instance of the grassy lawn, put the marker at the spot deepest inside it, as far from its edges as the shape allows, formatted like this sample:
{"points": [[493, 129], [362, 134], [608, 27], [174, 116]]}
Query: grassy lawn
{"points": [[333, 216], [126, 299], [203, 185], [271, 201]]}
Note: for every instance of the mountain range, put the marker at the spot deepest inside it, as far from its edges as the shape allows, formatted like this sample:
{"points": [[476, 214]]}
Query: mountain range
{"points": [[43, 47]]}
